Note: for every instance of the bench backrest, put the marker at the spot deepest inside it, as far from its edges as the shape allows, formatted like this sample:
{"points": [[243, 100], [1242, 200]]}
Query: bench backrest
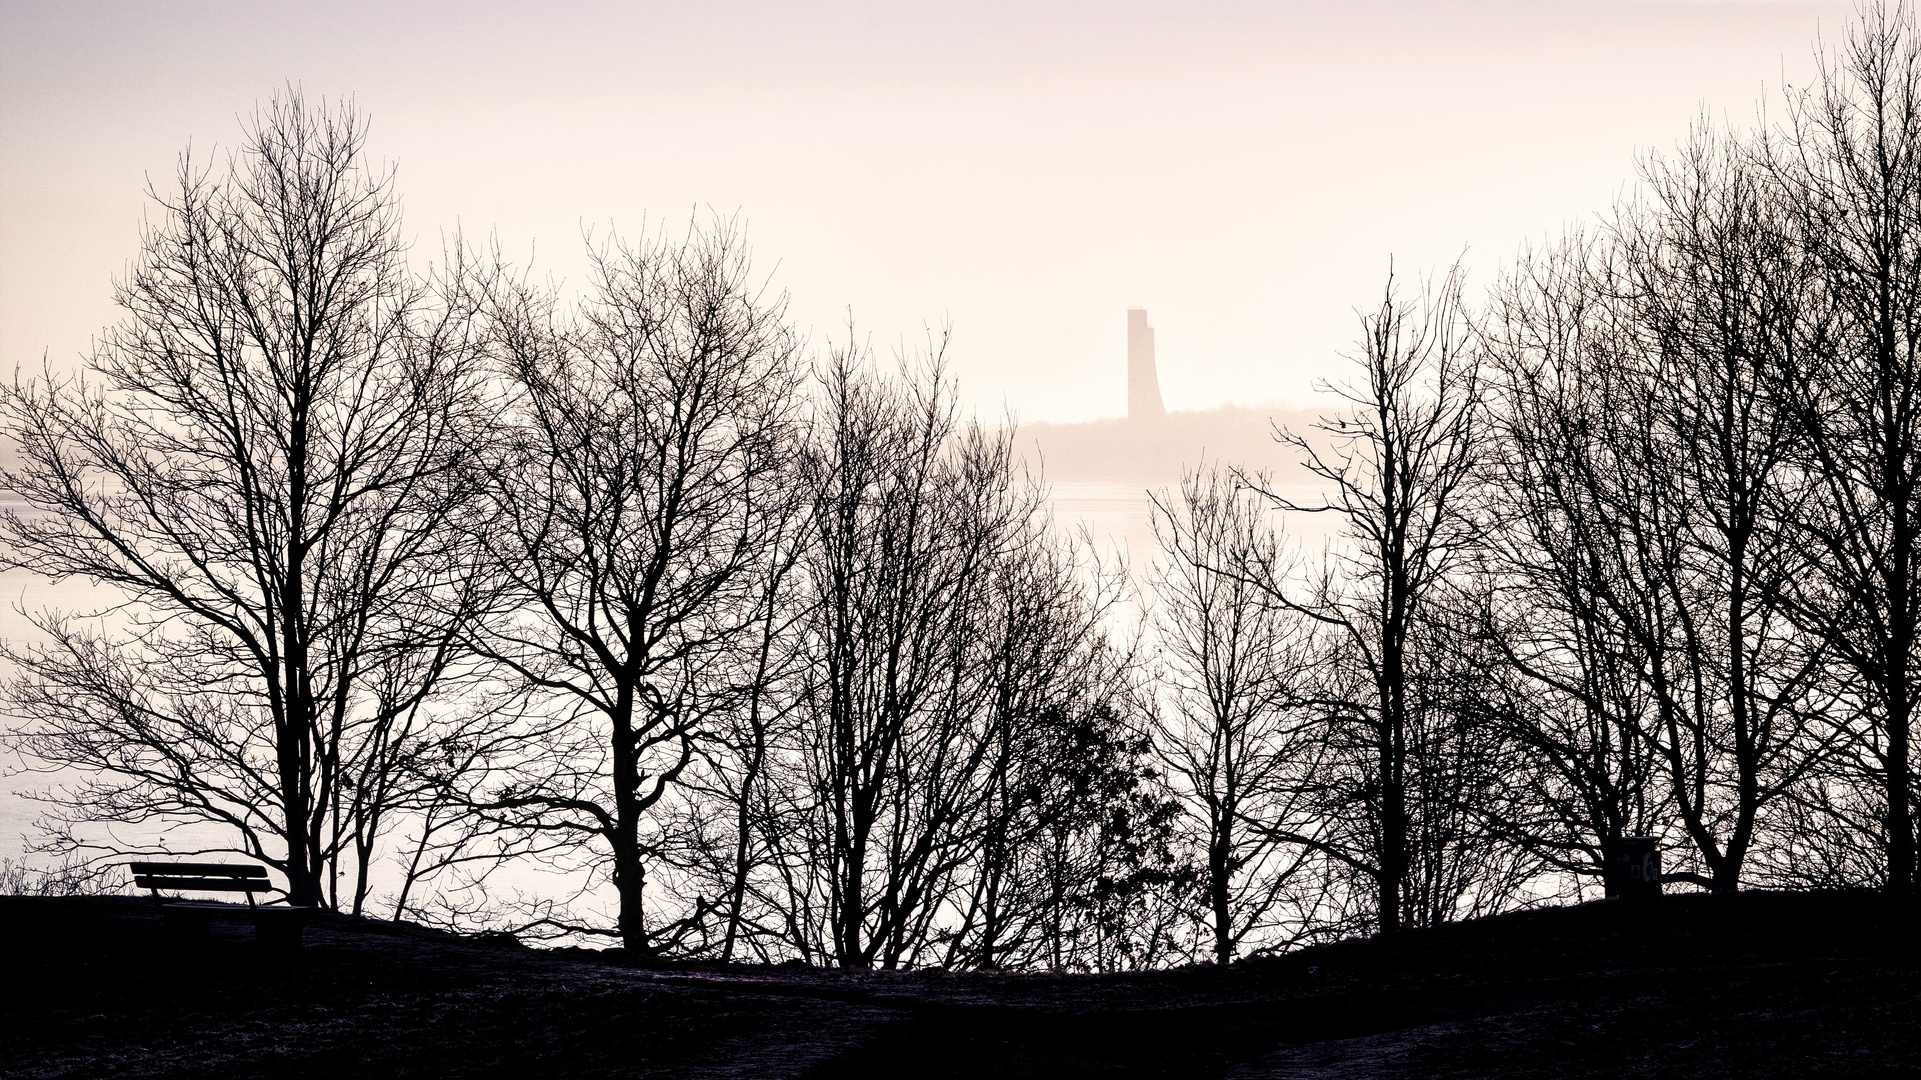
{"points": [[200, 877]]}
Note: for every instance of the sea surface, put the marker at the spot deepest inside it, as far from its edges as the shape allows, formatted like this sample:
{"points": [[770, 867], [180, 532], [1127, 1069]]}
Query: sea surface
{"points": [[1120, 516]]}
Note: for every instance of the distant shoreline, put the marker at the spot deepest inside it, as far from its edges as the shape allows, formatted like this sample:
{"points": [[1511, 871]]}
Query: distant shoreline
{"points": [[1156, 452]]}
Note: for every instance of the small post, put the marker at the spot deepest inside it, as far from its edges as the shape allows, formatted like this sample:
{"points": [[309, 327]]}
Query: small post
{"points": [[1641, 866]]}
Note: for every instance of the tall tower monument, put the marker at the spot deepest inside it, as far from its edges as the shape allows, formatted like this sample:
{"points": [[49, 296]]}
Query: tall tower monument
{"points": [[1143, 384]]}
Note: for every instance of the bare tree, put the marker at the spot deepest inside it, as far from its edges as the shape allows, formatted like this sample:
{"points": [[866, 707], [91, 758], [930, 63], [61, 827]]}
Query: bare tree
{"points": [[953, 666], [720, 835], [264, 462], [635, 497], [1719, 311], [1234, 736], [1849, 164], [1060, 757], [1013, 820], [1398, 468], [1646, 487], [1576, 699], [911, 512]]}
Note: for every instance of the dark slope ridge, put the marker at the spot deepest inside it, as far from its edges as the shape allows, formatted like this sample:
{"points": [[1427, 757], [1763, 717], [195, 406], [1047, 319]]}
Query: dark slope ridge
{"points": [[1753, 985]]}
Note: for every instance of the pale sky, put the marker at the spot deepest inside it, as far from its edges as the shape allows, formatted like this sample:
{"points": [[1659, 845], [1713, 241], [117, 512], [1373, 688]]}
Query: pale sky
{"points": [[1025, 171]]}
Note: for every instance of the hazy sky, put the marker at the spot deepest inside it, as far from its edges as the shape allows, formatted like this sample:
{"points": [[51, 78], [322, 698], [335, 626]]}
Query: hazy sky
{"points": [[1026, 171]]}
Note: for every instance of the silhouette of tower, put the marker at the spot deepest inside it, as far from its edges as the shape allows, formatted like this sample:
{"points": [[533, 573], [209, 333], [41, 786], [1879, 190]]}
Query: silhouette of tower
{"points": [[1143, 385]]}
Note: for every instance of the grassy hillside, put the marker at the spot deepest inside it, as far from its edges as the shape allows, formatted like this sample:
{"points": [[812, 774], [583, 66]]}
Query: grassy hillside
{"points": [[1756, 985]]}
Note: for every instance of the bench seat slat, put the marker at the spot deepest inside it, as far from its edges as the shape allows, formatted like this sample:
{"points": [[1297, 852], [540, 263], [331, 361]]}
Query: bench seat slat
{"points": [[268, 910], [194, 884], [189, 869]]}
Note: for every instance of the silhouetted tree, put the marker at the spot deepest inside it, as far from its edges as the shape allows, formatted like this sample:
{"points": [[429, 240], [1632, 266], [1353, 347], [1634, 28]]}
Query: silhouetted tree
{"points": [[931, 807], [1398, 468], [1575, 698], [911, 513], [1849, 166], [635, 496], [1234, 736], [1649, 467], [1719, 298], [1060, 760], [731, 803], [267, 463], [1100, 880]]}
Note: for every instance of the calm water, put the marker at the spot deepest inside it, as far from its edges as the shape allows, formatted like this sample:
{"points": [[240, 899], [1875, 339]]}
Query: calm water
{"points": [[1122, 514]]}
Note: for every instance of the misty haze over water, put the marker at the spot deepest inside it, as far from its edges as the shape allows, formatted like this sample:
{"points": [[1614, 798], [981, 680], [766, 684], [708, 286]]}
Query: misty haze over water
{"points": [[1116, 513]]}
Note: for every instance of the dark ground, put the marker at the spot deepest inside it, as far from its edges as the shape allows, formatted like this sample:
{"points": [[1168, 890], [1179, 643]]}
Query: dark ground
{"points": [[1756, 985]]}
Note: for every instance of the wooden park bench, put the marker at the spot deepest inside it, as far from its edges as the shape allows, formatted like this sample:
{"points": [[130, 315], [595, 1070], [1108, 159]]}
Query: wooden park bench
{"points": [[274, 927]]}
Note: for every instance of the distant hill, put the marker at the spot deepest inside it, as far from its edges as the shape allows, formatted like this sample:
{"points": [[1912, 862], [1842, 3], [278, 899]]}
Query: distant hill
{"points": [[1155, 451]]}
